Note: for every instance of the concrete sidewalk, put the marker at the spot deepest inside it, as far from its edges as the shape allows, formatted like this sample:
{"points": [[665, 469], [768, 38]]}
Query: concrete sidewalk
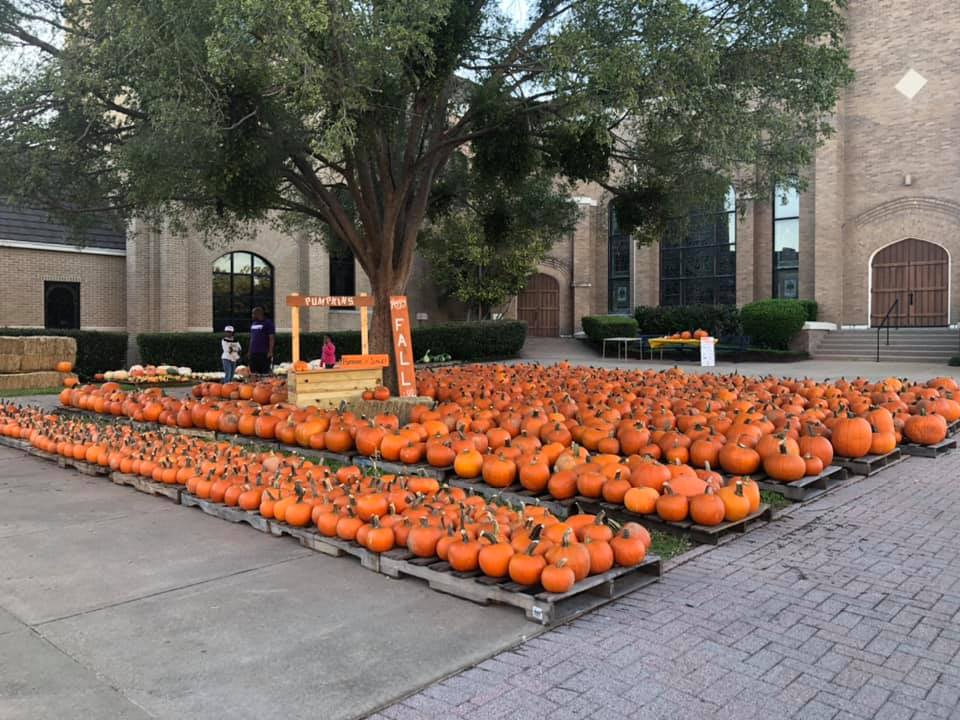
{"points": [[115, 604], [553, 350]]}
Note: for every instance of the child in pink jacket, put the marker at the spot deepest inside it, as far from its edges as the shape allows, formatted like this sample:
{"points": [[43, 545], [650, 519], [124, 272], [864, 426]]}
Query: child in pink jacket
{"points": [[329, 354]]}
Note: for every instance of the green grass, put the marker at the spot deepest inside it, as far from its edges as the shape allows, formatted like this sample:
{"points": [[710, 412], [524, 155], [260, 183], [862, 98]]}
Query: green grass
{"points": [[668, 546], [774, 500], [31, 391]]}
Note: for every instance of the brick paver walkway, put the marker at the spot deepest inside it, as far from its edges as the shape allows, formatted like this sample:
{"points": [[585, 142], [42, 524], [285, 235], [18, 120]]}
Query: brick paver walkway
{"points": [[850, 608]]}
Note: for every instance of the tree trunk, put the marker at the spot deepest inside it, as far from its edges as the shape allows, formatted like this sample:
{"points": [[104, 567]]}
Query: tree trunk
{"points": [[381, 333]]}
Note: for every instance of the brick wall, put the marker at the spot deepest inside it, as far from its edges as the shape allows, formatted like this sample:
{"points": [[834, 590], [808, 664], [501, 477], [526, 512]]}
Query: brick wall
{"points": [[102, 286], [885, 136]]}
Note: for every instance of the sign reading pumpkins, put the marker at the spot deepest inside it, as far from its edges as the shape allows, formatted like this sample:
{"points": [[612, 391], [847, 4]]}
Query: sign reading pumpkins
{"points": [[403, 346]]}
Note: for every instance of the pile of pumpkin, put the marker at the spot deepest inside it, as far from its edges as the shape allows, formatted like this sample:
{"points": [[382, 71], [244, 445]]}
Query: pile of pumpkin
{"points": [[788, 428], [688, 335], [529, 545]]}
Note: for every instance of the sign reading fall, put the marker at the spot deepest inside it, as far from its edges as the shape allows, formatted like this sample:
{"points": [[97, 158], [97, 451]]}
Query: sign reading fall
{"points": [[403, 346]]}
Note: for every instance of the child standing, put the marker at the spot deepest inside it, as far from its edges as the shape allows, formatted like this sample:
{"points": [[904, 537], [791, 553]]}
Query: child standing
{"points": [[230, 354], [329, 354]]}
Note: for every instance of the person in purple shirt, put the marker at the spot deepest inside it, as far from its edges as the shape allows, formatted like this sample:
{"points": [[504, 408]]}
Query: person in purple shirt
{"points": [[263, 337]]}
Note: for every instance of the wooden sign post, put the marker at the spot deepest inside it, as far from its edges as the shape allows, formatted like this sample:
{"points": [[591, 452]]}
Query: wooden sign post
{"points": [[403, 346]]}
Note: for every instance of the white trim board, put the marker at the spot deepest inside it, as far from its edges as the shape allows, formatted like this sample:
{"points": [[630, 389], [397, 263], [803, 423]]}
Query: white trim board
{"points": [[50, 247]]}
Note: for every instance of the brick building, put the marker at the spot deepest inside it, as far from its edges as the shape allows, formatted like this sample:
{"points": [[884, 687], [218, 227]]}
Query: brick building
{"points": [[879, 223]]}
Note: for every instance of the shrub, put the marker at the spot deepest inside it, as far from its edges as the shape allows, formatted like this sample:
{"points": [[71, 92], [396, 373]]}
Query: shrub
{"points": [[811, 308], [201, 351], [96, 351], [463, 341], [471, 340], [954, 361], [599, 327], [718, 320], [773, 323]]}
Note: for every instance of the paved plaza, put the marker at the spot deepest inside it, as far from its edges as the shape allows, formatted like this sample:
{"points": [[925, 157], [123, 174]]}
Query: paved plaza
{"points": [[849, 608]]}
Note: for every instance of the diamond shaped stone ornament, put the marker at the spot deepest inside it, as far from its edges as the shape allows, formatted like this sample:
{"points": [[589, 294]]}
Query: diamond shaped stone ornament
{"points": [[910, 84]]}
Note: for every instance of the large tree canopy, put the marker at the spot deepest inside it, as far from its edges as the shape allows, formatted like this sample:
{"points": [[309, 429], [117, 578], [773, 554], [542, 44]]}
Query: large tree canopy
{"points": [[346, 112]]}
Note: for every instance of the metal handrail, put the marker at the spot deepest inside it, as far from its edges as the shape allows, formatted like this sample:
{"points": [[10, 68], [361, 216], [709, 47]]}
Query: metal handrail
{"points": [[883, 323]]}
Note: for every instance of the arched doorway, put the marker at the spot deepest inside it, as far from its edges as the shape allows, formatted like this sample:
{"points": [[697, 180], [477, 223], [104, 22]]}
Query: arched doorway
{"points": [[61, 305], [539, 306], [915, 275]]}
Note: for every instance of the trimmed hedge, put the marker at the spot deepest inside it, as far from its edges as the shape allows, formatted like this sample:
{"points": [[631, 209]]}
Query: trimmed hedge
{"points": [[718, 320], [201, 351], [811, 308], [600, 327], [483, 340], [96, 351], [773, 323], [463, 341]]}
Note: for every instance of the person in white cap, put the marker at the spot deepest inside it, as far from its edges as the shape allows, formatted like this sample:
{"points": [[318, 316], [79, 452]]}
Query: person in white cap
{"points": [[231, 353]]}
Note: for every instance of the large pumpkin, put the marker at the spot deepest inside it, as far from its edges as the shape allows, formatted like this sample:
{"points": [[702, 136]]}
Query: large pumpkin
{"points": [[851, 436]]}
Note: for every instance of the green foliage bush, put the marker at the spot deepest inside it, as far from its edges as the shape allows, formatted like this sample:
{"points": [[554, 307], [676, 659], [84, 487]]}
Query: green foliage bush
{"points": [[463, 341], [471, 340], [773, 323], [718, 320], [96, 351], [598, 327], [954, 361], [811, 308]]}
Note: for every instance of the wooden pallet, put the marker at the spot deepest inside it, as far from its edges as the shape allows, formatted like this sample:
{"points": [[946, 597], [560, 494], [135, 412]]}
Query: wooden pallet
{"points": [[15, 443], [335, 547], [538, 605], [701, 534], [808, 488], [402, 469], [515, 494], [869, 464], [225, 512], [149, 487], [348, 458], [83, 467], [930, 451], [953, 428]]}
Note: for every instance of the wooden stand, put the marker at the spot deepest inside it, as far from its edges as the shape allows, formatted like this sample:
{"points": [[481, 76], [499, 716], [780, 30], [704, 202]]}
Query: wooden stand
{"points": [[328, 388], [331, 387]]}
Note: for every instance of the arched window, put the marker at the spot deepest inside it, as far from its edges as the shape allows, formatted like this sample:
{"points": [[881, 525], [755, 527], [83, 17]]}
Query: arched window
{"points": [[61, 303], [241, 281]]}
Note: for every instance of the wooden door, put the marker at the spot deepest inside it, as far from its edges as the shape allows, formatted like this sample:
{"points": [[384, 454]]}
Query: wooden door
{"points": [[913, 272], [539, 306]]}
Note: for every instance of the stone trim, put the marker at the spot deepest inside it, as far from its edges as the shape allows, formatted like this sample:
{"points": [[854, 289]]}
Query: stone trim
{"points": [[929, 204], [50, 247]]}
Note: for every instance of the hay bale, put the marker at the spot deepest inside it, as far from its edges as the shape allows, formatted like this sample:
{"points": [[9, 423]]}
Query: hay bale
{"points": [[9, 364], [30, 380], [44, 352], [11, 345]]}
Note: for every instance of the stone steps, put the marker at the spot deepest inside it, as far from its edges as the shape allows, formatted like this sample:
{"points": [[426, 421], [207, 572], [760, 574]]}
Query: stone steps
{"points": [[906, 345]]}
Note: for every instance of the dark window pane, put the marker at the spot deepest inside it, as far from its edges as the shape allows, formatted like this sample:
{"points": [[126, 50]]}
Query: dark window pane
{"points": [[787, 284], [726, 291], [671, 292], [620, 256], [342, 276], [726, 261], [698, 260], [671, 263]]}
